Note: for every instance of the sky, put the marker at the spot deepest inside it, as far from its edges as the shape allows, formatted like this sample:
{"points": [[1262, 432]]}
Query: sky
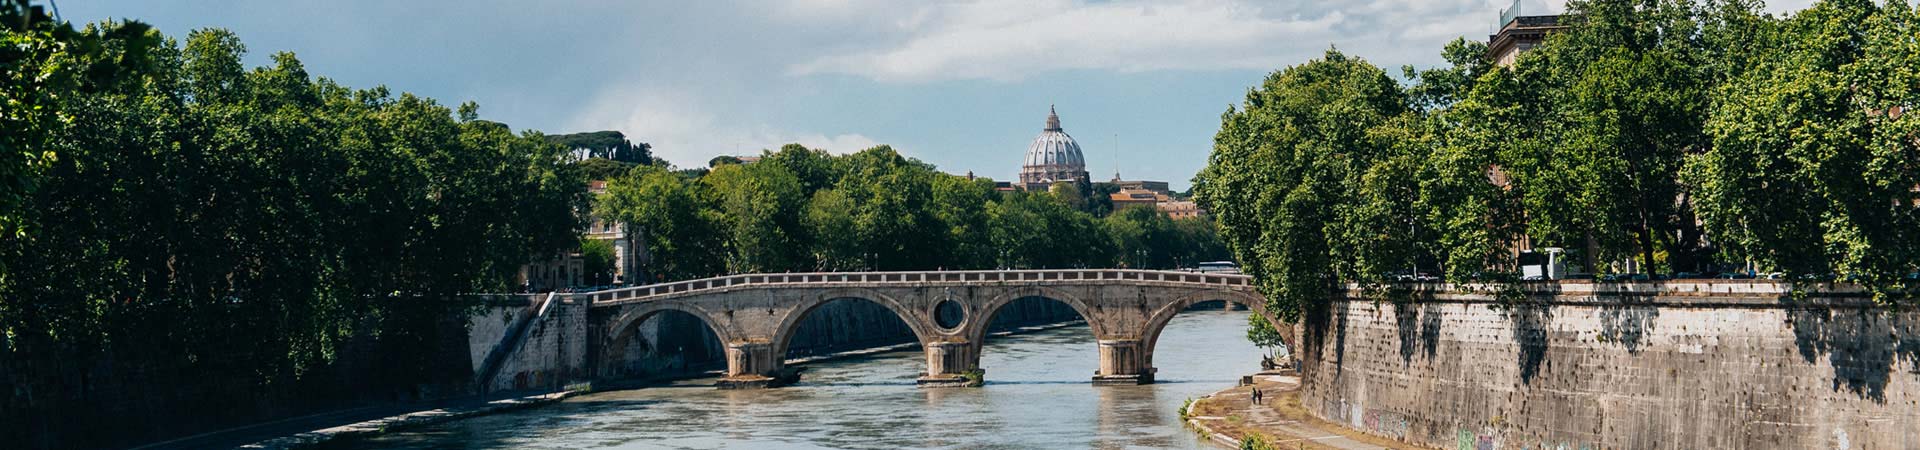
{"points": [[964, 85]]}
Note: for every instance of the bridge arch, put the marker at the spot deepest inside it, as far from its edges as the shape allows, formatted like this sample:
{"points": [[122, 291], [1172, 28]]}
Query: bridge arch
{"points": [[619, 333], [789, 324], [1157, 322], [980, 319]]}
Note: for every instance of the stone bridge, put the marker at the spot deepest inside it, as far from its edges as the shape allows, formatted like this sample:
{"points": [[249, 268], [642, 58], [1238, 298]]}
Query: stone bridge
{"points": [[948, 311]]}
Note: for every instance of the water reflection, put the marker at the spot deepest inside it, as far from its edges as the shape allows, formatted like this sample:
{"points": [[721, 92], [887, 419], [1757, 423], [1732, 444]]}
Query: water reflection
{"points": [[1038, 394]]}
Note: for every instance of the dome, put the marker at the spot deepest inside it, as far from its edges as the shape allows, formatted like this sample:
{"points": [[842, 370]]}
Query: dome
{"points": [[1053, 156]]}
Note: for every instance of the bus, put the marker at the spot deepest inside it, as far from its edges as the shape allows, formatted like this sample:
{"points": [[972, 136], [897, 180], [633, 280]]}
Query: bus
{"points": [[1217, 267]]}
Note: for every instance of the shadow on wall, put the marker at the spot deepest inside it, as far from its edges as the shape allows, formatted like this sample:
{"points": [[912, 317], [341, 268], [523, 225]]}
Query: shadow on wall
{"points": [[1319, 320], [1419, 327], [1864, 345], [1628, 323], [1529, 323]]}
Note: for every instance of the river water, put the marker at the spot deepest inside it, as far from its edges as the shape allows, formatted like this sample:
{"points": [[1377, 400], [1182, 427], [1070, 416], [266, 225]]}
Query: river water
{"points": [[1038, 395]]}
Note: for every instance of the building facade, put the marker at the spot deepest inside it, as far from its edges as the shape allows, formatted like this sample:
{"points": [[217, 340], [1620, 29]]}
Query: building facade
{"points": [[568, 269], [1155, 186], [1518, 34]]}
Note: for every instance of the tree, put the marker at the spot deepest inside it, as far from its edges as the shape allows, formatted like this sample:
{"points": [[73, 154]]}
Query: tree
{"points": [[598, 261], [816, 169], [1036, 230], [1199, 242], [611, 145], [961, 205], [1811, 169], [891, 195], [243, 226], [1284, 172], [1143, 238], [674, 217], [836, 241], [604, 169], [1261, 333], [762, 207]]}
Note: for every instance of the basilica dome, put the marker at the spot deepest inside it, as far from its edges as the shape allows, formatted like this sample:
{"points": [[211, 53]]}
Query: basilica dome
{"points": [[1053, 157]]}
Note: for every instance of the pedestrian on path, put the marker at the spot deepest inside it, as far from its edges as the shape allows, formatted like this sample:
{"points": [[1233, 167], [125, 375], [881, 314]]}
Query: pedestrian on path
{"points": [[1256, 396]]}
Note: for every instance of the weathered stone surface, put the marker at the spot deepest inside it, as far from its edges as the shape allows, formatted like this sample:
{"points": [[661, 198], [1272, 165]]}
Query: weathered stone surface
{"points": [[757, 315], [1678, 365]]}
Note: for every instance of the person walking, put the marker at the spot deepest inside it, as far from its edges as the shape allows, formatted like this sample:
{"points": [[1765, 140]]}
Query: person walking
{"points": [[1256, 395]]}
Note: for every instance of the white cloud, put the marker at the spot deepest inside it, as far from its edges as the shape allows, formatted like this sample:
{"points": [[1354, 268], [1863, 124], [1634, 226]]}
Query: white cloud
{"points": [[839, 143], [1010, 40], [1003, 40], [684, 131]]}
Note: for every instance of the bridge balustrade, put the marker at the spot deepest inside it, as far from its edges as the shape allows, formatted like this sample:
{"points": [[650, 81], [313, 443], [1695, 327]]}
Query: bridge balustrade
{"points": [[1125, 310], [729, 281]]}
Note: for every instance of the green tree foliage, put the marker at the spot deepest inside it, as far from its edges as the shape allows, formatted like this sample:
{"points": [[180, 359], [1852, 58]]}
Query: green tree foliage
{"points": [[604, 169], [1143, 237], [598, 261], [1304, 181], [611, 145], [961, 205], [191, 215], [799, 209], [1038, 230], [1261, 333], [1626, 97], [45, 60], [1658, 133], [763, 208], [836, 245], [1813, 167], [674, 216]]}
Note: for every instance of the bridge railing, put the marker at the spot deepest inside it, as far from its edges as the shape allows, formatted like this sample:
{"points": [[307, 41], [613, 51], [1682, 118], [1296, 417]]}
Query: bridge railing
{"points": [[921, 277]]}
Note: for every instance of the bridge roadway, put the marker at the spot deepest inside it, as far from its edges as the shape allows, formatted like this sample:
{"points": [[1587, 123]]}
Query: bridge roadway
{"points": [[948, 311]]}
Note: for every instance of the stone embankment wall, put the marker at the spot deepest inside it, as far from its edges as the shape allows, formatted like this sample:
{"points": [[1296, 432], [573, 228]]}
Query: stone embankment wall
{"points": [[551, 352], [1675, 365]]}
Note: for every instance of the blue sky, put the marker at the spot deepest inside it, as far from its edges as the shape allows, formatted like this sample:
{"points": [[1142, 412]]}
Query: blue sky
{"points": [[963, 85]]}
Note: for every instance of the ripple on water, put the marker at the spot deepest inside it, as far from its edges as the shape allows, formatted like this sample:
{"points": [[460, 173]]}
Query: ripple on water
{"points": [[1038, 395]]}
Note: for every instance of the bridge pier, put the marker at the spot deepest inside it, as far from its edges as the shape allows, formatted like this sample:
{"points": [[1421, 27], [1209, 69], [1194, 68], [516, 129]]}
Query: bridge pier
{"points": [[1123, 361], [757, 315], [753, 365], [951, 364]]}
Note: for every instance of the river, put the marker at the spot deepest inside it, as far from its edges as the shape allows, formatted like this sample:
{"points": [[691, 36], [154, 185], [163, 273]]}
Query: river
{"points": [[1038, 395]]}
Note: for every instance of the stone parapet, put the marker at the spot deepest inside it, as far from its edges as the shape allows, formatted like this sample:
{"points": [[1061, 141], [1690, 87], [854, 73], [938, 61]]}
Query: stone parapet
{"points": [[1666, 365]]}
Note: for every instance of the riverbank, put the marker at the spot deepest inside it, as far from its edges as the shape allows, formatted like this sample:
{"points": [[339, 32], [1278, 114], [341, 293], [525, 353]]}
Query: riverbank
{"points": [[295, 438], [1229, 417]]}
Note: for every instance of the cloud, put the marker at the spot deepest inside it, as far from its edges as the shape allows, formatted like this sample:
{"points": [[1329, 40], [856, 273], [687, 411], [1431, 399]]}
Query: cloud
{"points": [[1010, 40], [684, 131]]}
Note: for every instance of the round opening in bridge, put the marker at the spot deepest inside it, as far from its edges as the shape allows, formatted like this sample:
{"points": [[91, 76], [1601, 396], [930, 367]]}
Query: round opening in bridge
{"points": [[948, 314]]}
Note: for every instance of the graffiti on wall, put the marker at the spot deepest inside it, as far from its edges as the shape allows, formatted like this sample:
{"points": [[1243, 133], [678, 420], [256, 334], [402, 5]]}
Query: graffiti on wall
{"points": [[1469, 440], [1334, 410], [1466, 439], [1385, 423]]}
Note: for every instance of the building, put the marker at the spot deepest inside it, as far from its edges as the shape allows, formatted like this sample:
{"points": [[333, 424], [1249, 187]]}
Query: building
{"points": [[1155, 186], [1128, 198], [1518, 34], [1183, 209], [1135, 197], [1053, 157], [569, 269]]}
